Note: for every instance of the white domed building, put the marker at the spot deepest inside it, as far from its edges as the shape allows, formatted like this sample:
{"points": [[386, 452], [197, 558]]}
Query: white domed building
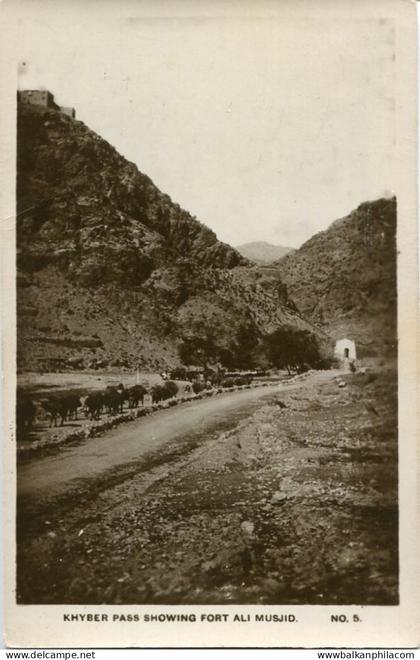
{"points": [[345, 350]]}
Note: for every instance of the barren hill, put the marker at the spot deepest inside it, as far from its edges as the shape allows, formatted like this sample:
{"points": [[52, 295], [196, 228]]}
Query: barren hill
{"points": [[261, 252], [344, 279], [110, 270]]}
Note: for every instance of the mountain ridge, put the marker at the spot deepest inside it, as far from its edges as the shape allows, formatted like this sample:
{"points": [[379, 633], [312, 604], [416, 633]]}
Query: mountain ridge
{"points": [[110, 270], [344, 278]]}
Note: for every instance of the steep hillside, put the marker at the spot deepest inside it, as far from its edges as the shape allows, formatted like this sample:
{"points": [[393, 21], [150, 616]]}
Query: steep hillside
{"points": [[344, 279], [261, 252], [110, 270]]}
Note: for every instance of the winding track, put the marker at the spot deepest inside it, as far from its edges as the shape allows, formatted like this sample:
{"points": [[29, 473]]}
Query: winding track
{"points": [[57, 475]]}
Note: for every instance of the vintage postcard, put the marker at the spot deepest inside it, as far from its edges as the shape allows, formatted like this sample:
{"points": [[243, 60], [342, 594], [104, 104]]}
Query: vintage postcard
{"points": [[210, 323]]}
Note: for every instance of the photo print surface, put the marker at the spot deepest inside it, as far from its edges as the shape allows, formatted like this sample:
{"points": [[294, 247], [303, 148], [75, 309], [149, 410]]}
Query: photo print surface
{"points": [[211, 234]]}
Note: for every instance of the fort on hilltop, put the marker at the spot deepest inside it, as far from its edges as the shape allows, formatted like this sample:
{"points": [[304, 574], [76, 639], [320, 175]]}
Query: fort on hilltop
{"points": [[45, 99]]}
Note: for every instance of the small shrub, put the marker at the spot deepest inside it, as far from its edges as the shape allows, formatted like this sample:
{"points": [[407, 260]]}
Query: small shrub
{"points": [[198, 387], [228, 382]]}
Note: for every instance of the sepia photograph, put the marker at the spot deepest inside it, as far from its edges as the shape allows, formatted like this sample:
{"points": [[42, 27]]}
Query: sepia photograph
{"points": [[207, 343]]}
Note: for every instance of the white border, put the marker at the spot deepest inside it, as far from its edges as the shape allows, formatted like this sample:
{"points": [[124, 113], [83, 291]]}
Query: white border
{"points": [[42, 626]]}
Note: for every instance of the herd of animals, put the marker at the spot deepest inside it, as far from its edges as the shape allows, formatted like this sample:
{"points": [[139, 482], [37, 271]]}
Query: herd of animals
{"points": [[62, 406]]}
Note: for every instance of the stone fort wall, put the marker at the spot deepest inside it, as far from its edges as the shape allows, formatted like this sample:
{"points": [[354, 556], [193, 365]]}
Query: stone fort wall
{"points": [[45, 99]]}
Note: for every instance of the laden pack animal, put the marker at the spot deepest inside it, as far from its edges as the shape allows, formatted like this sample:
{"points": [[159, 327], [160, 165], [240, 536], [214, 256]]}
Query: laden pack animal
{"points": [[163, 392], [56, 407], [73, 404], [114, 398], [93, 405], [171, 387], [63, 405], [158, 393], [25, 412], [135, 395]]}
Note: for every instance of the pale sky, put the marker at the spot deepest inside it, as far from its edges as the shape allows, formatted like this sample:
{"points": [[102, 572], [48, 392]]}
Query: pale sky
{"points": [[265, 125]]}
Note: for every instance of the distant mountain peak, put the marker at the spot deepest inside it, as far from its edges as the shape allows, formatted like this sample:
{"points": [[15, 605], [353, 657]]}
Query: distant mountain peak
{"points": [[262, 252]]}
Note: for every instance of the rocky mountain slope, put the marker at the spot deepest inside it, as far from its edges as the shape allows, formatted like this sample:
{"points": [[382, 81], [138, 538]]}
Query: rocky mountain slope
{"points": [[344, 279], [110, 270], [261, 252]]}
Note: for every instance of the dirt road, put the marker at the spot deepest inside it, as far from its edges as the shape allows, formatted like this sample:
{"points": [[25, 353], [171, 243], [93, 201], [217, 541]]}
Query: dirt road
{"points": [[126, 446]]}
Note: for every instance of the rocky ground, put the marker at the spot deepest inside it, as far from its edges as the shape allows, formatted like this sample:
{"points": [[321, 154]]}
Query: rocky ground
{"points": [[296, 504]]}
